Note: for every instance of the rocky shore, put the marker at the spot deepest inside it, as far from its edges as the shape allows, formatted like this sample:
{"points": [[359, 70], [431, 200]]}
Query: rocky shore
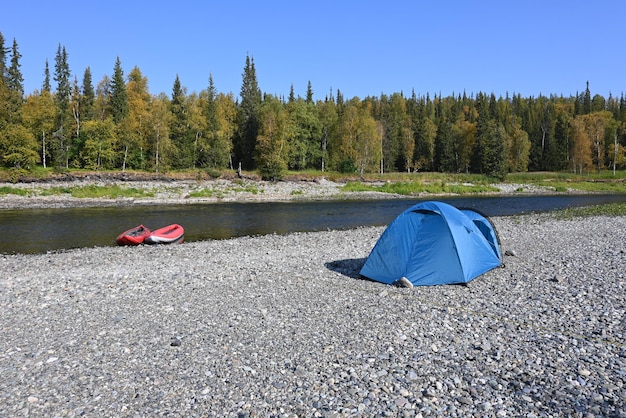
{"points": [[284, 326], [158, 191]]}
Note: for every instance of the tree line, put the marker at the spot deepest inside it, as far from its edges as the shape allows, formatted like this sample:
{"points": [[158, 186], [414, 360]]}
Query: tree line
{"points": [[119, 124]]}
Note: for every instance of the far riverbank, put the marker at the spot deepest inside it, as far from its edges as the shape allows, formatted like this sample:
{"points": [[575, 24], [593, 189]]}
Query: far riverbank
{"points": [[37, 194]]}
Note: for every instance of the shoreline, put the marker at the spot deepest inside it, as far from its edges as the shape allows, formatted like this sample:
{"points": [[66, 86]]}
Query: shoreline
{"points": [[212, 191]]}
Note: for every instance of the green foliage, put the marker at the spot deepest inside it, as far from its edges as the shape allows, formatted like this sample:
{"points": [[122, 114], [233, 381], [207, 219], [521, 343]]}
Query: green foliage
{"points": [[610, 209], [481, 134], [214, 173], [248, 116], [95, 192], [4, 190], [603, 182], [18, 147], [239, 187], [273, 145], [347, 166], [418, 187], [99, 148], [119, 97], [272, 168]]}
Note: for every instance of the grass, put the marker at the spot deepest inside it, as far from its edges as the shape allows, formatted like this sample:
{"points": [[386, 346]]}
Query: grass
{"points": [[109, 192], [4, 190], [397, 183], [417, 187], [603, 182], [609, 209], [239, 187]]}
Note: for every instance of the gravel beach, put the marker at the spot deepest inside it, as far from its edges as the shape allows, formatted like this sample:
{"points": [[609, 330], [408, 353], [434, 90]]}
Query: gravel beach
{"points": [[284, 326]]}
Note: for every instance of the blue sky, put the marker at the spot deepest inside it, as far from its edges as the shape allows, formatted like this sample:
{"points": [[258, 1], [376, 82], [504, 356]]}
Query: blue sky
{"points": [[362, 48]]}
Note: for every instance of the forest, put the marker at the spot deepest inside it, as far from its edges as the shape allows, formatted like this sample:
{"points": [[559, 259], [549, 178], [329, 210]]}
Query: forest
{"points": [[119, 125]]}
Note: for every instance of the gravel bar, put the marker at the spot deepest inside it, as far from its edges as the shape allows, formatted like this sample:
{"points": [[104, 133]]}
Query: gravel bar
{"points": [[284, 326]]}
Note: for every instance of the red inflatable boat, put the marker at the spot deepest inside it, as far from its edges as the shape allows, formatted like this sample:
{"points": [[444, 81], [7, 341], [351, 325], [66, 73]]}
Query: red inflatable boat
{"points": [[133, 236], [171, 234]]}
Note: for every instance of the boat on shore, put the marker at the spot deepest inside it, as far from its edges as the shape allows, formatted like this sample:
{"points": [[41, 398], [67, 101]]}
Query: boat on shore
{"points": [[171, 234], [133, 236]]}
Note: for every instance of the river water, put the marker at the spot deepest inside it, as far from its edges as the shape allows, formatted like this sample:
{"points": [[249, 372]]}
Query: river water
{"points": [[42, 230]]}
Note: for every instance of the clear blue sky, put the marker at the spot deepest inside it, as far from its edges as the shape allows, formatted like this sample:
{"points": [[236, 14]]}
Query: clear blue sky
{"points": [[362, 48]]}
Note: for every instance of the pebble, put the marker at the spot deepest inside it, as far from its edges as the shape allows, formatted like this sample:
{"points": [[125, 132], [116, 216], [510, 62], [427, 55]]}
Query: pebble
{"points": [[183, 331]]}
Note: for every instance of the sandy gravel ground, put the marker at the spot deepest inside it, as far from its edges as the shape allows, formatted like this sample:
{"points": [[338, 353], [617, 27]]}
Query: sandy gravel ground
{"points": [[284, 326]]}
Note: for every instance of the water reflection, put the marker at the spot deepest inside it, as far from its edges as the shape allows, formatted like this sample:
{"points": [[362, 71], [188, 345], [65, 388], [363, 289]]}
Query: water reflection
{"points": [[41, 230]]}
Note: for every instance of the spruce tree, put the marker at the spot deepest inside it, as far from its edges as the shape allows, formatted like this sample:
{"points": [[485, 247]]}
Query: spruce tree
{"points": [[64, 89], [180, 134], [12, 88], [445, 158], [292, 95], [309, 93], [248, 117], [3, 58], [45, 87], [62, 100], [119, 97], [15, 80], [88, 96], [587, 100], [217, 153], [211, 108], [4, 93]]}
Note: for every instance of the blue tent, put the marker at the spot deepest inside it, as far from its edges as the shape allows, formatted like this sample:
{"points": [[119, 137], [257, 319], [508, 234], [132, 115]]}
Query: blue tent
{"points": [[434, 243]]}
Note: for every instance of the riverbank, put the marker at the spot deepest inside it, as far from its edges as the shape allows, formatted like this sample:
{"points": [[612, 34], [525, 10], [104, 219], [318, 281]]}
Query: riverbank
{"points": [[284, 326], [38, 194]]}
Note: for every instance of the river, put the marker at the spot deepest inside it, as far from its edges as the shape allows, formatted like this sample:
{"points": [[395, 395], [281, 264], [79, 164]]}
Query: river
{"points": [[42, 230]]}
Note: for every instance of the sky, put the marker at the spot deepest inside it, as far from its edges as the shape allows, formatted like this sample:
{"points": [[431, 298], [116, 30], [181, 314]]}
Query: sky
{"points": [[361, 48]]}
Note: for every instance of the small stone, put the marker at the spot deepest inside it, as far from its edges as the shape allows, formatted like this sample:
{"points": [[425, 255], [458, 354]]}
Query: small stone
{"points": [[584, 372], [404, 282], [429, 393], [558, 279], [510, 253], [486, 406], [401, 401]]}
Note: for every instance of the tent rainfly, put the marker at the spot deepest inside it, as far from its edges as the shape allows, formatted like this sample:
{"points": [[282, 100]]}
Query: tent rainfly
{"points": [[434, 243]]}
